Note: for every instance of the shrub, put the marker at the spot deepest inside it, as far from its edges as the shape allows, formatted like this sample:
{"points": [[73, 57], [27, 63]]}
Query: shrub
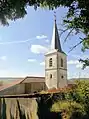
{"points": [[68, 109]]}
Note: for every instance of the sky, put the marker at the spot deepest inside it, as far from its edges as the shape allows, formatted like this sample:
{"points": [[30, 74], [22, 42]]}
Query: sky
{"points": [[25, 41]]}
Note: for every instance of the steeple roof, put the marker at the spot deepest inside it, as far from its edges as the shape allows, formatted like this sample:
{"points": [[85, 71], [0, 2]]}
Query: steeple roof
{"points": [[55, 44]]}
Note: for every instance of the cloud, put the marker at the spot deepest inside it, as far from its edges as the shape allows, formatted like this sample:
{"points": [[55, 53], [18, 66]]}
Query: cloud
{"points": [[47, 41], [16, 42], [80, 56], [32, 60], [76, 63], [79, 65], [71, 62], [42, 63], [22, 41], [3, 58], [41, 37], [38, 49]]}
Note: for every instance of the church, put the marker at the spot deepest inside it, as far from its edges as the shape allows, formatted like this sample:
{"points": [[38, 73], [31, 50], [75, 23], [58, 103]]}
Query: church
{"points": [[55, 63], [55, 72]]}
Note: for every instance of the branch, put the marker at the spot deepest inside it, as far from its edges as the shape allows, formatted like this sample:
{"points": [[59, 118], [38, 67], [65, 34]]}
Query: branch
{"points": [[51, 95], [68, 34], [85, 63], [63, 31], [33, 95], [75, 46]]}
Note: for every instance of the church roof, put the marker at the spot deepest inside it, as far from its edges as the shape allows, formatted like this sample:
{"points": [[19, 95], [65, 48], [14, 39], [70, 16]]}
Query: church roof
{"points": [[55, 44]]}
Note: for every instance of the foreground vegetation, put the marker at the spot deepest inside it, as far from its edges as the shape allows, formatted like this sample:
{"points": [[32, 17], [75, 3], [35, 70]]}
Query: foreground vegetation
{"points": [[69, 103], [74, 102]]}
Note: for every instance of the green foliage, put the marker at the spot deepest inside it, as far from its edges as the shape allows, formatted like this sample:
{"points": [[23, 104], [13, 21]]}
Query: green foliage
{"points": [[68, 108], [85, 62], [76, 101], [82, 92], [44, 104]]}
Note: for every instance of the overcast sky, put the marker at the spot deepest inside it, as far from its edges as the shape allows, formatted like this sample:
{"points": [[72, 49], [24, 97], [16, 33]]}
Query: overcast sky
{"points": [[24, 42]]}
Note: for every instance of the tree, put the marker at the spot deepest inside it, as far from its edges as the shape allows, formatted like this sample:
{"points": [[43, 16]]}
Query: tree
{"points": [[77, 17]]}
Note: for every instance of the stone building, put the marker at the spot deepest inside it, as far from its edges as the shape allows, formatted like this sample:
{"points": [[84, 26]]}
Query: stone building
{"points": [[55, 63], [55, 72], [24, 86]]}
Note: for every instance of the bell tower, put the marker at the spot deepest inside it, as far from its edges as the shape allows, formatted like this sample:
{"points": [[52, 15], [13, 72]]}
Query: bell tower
{"points": [[55, 63]]}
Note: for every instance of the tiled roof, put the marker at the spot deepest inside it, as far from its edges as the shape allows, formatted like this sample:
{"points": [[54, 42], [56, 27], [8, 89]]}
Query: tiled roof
{"points": [[54, 90]]}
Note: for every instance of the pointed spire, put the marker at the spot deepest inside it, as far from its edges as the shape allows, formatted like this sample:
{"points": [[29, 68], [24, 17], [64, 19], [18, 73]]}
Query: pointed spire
{"points": [[55, 44]]}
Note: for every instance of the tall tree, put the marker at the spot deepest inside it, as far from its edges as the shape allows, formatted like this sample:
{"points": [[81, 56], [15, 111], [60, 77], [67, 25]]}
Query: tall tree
{"points": [[77, 17]]}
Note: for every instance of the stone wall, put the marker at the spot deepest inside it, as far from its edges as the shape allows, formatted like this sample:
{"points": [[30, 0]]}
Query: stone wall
{"points": [[62, 78], [54, 61], [34, 87], [18, 108], [24, 88], [56, 75], [34, 107], [51, 82], [17, 89], [64, 57]]}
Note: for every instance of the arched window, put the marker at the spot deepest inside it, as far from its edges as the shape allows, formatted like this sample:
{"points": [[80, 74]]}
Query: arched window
{"points": [[61, 62], [50, 76], [50, 62]]}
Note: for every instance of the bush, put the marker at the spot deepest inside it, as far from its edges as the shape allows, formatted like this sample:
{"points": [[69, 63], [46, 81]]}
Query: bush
{"points": [[68, 109]]}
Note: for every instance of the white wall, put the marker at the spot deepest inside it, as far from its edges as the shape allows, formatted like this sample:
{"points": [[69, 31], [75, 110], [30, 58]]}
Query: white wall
{"points": [[51, 82], [56, 70], [54, 61], [64, 57], [62, 82], [62, 71]]}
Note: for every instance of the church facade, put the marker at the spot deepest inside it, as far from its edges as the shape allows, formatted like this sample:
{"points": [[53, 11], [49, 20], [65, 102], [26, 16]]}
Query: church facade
{"points": [[55, 72]]}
